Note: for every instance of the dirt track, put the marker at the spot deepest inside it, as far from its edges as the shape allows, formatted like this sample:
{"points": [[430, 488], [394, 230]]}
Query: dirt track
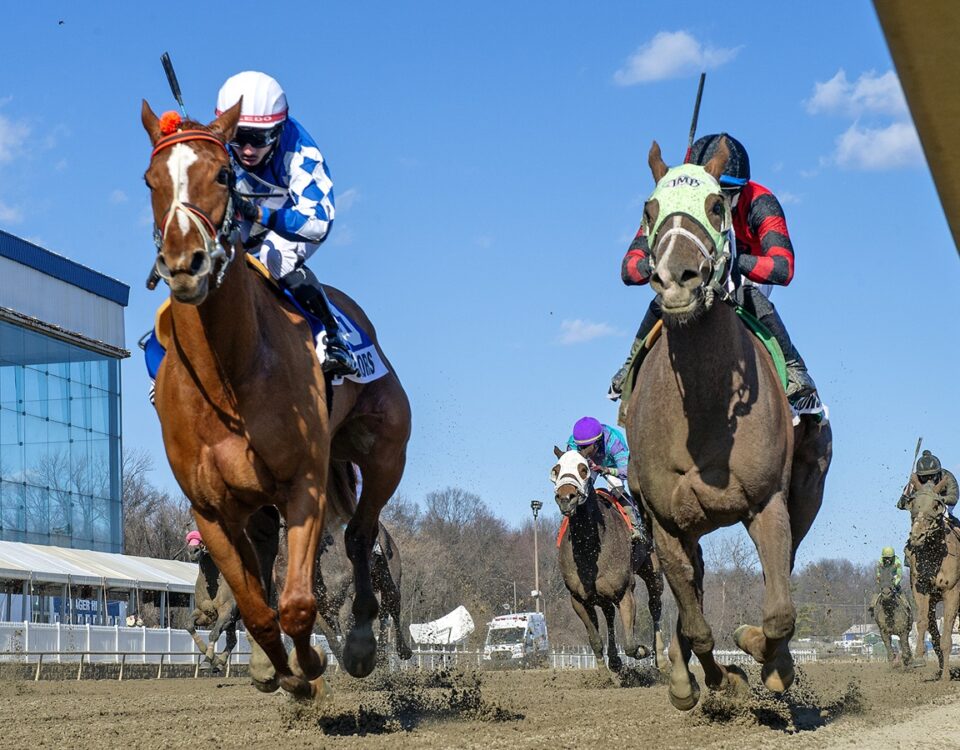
{"points": [[862, 705]]}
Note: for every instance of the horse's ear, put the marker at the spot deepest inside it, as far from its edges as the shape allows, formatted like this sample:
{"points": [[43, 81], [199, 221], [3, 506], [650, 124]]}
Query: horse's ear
{"points": [[914, 482], [940, 485], [718, 163], [554, 473], [584, 471], [151, 123], [657, 165], [226, 124], [557, 452]]}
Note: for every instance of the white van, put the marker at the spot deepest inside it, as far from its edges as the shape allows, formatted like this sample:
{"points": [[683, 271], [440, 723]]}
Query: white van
{"points": [[517, 640]]}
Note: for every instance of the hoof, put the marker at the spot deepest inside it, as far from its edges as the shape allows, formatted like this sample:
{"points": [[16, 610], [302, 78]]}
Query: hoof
{"points": [[640, 652], [321, 690], [615, 664], [742, 634], [686, 695], [266, 686], [777, 675], [405, 653], [205, 666], [298, 687], [313, 670], [360, 652], [736, 681]]}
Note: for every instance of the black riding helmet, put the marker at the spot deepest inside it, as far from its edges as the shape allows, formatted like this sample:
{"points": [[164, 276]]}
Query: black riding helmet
{"points": [[737, 172], [928, 466]]}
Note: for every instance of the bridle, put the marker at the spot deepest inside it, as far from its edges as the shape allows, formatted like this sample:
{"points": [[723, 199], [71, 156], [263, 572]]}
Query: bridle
{"points": [[218, 244], [717, 262]]}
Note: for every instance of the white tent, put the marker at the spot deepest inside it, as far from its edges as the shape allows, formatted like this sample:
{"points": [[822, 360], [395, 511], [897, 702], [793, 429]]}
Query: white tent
{"points": [[451, 628]]}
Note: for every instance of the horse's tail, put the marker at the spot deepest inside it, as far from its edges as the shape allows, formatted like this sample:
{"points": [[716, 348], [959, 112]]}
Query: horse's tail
{"points": [[341, 492]]}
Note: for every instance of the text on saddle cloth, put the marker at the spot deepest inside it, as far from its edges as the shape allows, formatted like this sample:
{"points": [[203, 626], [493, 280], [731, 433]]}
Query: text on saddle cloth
{"points": [[370, 365], [606, 497]]}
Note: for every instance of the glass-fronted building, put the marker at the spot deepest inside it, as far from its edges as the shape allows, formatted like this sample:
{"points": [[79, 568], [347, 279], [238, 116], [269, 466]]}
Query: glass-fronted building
{"points": [[61, 342]]}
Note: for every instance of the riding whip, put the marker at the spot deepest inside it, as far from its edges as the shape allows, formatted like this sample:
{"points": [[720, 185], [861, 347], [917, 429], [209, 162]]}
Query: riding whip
{"points": [[175, 84], [696, 116], [914, 464]]}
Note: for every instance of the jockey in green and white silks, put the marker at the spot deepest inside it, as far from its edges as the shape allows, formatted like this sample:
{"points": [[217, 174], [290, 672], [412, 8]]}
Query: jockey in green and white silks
{"points": [[605, 449]]}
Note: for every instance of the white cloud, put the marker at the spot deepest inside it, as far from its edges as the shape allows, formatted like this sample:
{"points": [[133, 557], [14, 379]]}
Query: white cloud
{"points": [[342, 234], [671, 54], [118, 196], [12, 137], [347, 199], [579, 331], [787, 198], [890, 147], [870, 93], [10, 214]]}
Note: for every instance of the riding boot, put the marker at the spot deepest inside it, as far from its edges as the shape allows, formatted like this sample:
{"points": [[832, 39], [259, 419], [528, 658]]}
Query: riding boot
{"points": [[799, 382], [636, 523], [306, 289], [646, 325]]}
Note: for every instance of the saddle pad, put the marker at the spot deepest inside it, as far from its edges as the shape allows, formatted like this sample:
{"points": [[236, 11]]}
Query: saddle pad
{"points": [[609, 499], [370, 365]]}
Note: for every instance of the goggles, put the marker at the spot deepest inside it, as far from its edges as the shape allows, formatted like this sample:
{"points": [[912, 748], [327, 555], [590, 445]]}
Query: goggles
{"points": [[256, 137]]}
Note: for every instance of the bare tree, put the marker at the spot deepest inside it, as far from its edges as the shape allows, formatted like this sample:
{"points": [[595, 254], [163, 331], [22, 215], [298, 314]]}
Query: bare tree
{"points": [[154, 523]]}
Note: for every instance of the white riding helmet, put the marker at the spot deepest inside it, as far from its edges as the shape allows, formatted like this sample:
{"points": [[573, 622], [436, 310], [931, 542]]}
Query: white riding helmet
{"points": [[264, 103]]}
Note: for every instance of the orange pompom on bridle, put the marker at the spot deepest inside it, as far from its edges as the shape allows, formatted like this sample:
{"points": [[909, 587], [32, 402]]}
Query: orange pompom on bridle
{"points": [[170, 122]]}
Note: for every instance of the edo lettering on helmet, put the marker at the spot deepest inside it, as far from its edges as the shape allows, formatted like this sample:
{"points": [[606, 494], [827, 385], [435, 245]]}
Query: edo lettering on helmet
{"points": [[264, 102]]}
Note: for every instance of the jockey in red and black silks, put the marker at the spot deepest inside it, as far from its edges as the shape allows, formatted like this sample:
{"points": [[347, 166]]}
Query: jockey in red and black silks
{"points": [[763, 258]]}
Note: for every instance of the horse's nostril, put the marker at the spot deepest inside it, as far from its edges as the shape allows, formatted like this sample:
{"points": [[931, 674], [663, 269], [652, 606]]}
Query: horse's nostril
{"points": [[689, 275], [655, 279], [197, 262]]}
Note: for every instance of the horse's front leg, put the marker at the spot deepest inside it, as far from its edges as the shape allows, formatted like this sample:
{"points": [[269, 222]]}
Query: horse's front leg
{"points": [[588, 616], [684, 570], [614, 662], [951, 603], [628, 618], [770, 531], [237, 561], [231, 644], [652, 577], [225, 615], [298, 605], [922, 604], [192, 630]]}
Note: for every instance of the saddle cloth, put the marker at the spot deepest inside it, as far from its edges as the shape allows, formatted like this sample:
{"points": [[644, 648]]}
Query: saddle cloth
{"points": [[370, 365], [609, 499]]}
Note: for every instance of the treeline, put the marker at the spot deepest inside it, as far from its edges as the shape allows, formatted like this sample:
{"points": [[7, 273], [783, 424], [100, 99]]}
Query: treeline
{"points": [[455, 550]]}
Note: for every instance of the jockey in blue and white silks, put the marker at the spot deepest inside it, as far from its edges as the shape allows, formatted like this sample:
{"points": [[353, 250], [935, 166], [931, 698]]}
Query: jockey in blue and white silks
{"points": [[605, 449], [285, 196]]}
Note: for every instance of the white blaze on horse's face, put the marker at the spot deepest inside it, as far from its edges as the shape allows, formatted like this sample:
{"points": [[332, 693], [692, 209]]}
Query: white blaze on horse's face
{"points": [[570, 479], [181, 157]]}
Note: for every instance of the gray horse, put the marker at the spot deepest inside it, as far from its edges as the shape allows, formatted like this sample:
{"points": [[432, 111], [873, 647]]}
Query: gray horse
{"points": [[216, 607], [598, 562], [335, 597]]}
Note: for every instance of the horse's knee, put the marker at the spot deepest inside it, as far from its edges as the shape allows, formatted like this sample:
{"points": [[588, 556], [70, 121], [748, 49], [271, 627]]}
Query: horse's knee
{"points": [[298, 613]]}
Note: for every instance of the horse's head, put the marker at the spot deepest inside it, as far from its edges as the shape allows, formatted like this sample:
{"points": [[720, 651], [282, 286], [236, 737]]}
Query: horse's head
{"points": [[571, 480], [926, 511], [191, 184], [687, 221]]}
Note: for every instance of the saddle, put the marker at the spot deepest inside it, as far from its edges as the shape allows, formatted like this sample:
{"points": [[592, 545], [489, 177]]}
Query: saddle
{"points": [[808, 405], [370, 365], [610, 499]]}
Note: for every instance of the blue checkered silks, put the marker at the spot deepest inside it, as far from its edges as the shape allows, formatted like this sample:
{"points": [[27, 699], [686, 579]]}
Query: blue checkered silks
{"points": [[295, 194]]}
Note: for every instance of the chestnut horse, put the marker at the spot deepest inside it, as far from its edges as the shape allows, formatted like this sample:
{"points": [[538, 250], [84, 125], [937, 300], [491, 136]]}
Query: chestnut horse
{"points": [[712, 432], [245, 416], [935, 572]]}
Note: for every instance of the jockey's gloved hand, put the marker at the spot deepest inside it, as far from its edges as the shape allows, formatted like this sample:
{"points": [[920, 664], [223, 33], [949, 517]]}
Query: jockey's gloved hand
{"points": [[249, 210]]}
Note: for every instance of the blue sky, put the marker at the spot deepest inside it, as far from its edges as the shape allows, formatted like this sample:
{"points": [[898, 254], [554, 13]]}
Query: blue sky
{"points": [[489, 162]]}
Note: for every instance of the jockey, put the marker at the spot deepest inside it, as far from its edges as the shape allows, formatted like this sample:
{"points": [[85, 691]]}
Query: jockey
{"points": [[929, 469], [285, 196], [605, 448], [889, 574], [763, 257]]}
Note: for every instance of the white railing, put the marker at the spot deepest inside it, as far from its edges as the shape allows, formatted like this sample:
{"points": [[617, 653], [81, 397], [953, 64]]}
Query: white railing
{"points": [[25, 641]]}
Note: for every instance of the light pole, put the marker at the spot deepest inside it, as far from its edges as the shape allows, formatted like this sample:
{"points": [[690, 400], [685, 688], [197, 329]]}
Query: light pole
{"points": [[536, 505]]}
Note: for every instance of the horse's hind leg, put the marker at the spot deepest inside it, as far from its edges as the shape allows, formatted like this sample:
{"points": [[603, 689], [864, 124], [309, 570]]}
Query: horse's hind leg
{"points": [[652, 577], [381, 469], [192, 630], [811, 459]]}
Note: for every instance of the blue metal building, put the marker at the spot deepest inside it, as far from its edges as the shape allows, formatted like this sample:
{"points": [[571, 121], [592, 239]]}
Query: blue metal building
{"points": [[61, 342]]}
